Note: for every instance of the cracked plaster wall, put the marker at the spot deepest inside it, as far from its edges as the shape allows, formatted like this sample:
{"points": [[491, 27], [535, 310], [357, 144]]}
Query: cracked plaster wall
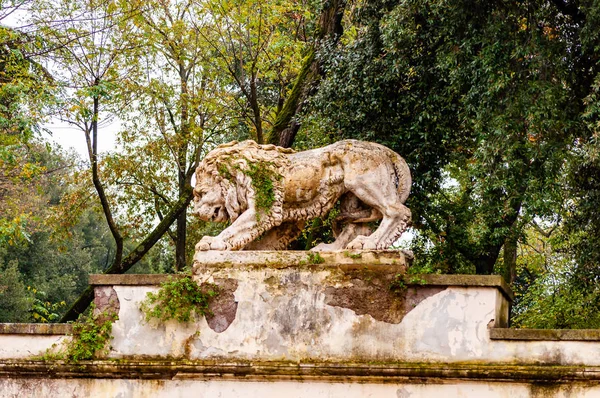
{"points": [[283, 314], [288, 314]]}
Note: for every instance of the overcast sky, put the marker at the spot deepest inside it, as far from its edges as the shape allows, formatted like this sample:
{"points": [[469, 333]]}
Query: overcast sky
{"points": [[71, 137], [62, 133]]}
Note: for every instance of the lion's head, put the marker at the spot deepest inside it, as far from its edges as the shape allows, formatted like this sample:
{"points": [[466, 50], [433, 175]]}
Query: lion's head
{"points": [[223, 178], [209, 201]]}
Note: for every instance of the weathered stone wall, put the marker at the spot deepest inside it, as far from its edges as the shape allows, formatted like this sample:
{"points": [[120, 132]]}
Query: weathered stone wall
{"points": [[27, 340], [321, 313], [325, 327]]}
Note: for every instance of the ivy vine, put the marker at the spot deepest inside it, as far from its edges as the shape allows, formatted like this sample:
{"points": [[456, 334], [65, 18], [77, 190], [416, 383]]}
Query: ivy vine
{"points": [[179, 298]]}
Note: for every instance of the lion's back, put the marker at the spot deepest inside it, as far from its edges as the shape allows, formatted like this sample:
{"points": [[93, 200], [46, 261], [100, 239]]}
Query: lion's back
{"points": [[363, 156], [333, 163]]}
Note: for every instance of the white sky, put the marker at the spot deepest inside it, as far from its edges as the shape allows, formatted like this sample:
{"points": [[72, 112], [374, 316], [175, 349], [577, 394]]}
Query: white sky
{"points": [[62, 133], [68, 136]]}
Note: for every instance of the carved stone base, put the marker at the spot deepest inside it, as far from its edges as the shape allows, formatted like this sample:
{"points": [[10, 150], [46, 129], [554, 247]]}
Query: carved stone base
{"points": [[284, 259]]}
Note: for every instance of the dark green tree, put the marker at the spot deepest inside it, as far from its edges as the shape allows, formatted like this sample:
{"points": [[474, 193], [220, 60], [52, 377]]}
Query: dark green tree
{"points": [[484, 99]]}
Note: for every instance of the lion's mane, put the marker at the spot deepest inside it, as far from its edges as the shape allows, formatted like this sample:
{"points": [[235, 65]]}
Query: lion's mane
{"points": [[229, 167]]}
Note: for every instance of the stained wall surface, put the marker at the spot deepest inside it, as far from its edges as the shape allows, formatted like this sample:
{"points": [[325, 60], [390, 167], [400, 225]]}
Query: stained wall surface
{"points": [[343, 325]]}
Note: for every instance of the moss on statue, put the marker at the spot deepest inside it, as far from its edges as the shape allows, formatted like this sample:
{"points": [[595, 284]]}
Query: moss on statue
{"points": [[262, 176]]}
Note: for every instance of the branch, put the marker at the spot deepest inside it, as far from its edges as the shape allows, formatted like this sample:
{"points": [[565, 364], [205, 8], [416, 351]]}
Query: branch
{"points": [[543, 232], [161, 217], [136, 255]]}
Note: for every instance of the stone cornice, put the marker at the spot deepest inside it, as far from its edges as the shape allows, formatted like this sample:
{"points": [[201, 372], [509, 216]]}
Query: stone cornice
{"points": [[274, 371]]}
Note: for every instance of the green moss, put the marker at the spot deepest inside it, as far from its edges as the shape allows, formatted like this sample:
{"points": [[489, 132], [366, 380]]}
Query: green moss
{"points": [[398, 284], [315, 258], [312, 258], [353, 256], [224, 172], [417, 280], [263, 177], [178, 298], [261, 174]]}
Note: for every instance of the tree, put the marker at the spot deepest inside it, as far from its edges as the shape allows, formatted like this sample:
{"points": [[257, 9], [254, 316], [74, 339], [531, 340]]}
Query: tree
{"points": [[485, 101], [261, 46], [25, 90], [92, 54], [68, 255], [14, 300], [173, 108], [328, 31]]}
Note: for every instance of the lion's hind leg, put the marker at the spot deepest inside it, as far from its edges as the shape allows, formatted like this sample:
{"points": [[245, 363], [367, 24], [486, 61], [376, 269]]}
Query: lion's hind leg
{"points": [[390, 229], [350, 223], [396, 216], [395, 221], [348, 233]]}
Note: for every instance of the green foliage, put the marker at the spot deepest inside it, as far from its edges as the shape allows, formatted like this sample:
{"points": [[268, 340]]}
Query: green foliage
{"points": [[552, 294], [551, 303], [554, 288], [398, 285], [67, 261], [257, 51], [28, 170], [15, 300], [179, 298], [57, 244], [91, 335], [400, 281], [42, 310], [485, 100], [25, 87], [319, 230]]}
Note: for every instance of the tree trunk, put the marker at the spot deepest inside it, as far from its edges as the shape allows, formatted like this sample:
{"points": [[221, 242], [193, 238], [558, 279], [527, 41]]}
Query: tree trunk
{"points": [[286, 126], [180, 244], [256, 111], [510, 259], [183, 183], [92, 144], [484, 264]]}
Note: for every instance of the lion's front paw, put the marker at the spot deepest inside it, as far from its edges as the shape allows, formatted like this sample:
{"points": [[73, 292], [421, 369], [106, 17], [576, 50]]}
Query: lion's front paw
{"points": [[211, 243], [202, 246], [362, 242]]}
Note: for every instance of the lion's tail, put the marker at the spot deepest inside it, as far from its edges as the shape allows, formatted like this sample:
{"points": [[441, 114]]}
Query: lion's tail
{"points": [[404, 178]]}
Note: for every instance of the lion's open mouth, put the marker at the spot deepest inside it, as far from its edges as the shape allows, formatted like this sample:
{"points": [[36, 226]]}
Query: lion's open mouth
{"points": [[219, 214]]}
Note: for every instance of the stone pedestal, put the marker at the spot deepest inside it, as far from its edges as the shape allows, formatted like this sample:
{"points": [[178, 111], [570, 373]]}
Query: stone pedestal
{"points": [[342, 306]]}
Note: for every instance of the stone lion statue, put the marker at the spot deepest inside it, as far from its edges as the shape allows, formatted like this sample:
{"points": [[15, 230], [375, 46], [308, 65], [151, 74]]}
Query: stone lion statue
{"points": [[268, 193]]}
